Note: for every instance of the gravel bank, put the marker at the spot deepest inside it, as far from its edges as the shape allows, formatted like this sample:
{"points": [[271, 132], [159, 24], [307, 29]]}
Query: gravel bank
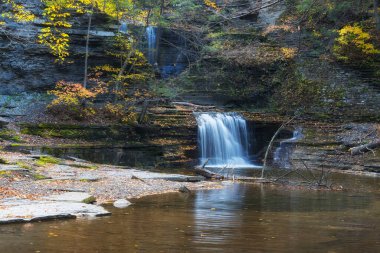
{"points": [[35, 178]]}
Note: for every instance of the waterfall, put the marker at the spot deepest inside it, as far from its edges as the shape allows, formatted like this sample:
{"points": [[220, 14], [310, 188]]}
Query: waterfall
{"points": [[281, 156], [152, 43], [223, 140], [123, 28]]}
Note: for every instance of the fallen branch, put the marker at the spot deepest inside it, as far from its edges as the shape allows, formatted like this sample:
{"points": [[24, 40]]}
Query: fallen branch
{"points": [[208, 174], [365, 148], [200, 170], [192, 105], [140, 179]]}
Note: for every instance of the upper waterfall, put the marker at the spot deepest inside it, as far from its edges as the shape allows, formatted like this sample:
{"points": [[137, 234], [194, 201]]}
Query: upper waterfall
{"points": [[152, 43], [223, 140]]}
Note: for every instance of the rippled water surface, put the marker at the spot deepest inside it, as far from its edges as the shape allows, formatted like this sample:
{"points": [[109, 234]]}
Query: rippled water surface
{"points": [[238, 218]]}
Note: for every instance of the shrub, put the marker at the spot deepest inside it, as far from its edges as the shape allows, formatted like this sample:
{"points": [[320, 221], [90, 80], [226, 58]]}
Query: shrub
{"points": [[114, 111], [354, 44], [72, 100], [121, 113]]}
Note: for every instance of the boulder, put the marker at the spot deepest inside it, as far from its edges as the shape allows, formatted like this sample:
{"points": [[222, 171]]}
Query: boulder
{"points": [[121, 203]]}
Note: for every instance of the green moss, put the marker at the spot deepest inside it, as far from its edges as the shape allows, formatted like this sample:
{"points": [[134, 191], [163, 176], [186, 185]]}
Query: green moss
{"points": [[24, 165], [3, 161], [38, 176], [5, 173], [9, 135], [84, 132], [45, 160], [89, 200]]}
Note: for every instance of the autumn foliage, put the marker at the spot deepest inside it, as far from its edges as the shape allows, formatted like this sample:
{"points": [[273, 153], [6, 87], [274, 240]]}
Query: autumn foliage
{"points": [[72, 100], [355, 44]]}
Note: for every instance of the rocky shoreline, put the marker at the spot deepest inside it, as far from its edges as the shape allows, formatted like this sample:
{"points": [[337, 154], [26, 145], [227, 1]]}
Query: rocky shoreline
{"points": [[34, 188]]}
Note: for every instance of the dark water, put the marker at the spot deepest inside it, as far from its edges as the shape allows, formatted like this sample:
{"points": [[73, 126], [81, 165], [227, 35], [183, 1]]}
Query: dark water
{"points": [[156, 156], [238, 218]]}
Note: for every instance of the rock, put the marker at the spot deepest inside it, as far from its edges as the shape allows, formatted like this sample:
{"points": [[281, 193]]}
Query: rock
{"points": [[121, 203], [184, 189], [88, 178], [4, 121], [75, 159], [77, 197], [14, 211], [11, 168]]}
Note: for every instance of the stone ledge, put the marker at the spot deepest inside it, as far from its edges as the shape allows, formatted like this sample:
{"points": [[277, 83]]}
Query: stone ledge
{"points": [[16, 211]]}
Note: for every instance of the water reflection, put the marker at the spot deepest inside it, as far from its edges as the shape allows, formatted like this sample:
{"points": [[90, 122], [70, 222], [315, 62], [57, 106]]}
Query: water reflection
{"points": [[239, 218]]}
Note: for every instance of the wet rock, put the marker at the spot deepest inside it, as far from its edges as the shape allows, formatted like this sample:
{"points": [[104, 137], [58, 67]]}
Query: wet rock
{"points": [[121, 203]]}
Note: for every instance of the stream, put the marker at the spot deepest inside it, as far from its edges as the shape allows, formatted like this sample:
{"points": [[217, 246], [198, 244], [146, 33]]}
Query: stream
{"points": [[240, 217], [237, 218]]}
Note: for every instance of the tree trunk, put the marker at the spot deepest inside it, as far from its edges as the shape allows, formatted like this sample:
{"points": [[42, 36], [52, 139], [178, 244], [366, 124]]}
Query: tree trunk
{"points": [[162, 7], [376, 14], [148, 18], [87, 48]]}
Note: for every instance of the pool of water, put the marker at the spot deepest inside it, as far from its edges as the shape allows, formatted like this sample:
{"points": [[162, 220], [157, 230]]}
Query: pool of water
{"points": [[237, 218]]}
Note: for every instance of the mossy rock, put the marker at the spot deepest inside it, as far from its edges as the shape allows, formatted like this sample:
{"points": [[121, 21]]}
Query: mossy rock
{"points": [[84, 132], [89, 200], [45, 160]]}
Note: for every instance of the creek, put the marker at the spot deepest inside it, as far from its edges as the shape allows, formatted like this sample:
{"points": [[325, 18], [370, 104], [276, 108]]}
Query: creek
{"points": [[237, 218], [240, 217]]}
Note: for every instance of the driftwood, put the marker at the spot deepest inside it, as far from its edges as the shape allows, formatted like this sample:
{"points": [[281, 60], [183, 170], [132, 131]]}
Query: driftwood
{"points": [[200, 170], [208, 174], [365, 148], [193, 105], [140, 179]]}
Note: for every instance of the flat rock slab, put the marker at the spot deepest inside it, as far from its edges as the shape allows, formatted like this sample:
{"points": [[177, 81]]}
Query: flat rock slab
{"points": [[27, 210], [11, 168], [77, 197], [168, 177]]}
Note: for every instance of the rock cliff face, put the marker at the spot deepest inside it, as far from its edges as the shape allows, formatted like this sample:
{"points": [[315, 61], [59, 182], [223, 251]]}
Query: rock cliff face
{"points": [[26, 65]]}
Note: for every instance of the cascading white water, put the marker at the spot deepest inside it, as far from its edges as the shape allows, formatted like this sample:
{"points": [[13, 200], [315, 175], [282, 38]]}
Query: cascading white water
{"points": [[223, 140], [281, 156], [123, 28], [152, 41]]}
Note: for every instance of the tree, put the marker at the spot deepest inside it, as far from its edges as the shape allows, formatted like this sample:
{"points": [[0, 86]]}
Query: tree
{"points": [[376, 14], [87, 45]]}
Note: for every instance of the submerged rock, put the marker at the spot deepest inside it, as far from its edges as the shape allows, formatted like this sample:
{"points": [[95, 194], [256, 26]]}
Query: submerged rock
{"points": [[121, 203]]}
